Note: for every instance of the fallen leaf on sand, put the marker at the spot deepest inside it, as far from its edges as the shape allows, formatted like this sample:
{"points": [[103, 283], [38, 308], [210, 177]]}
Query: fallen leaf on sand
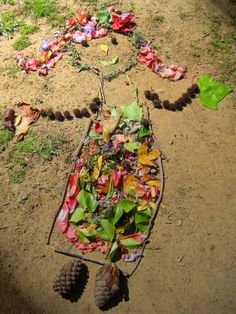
{"points": [[24, 120]]}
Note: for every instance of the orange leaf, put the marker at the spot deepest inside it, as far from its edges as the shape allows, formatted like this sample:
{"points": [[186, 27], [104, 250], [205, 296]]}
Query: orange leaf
{"points": [[145, 157], [129, 183]]}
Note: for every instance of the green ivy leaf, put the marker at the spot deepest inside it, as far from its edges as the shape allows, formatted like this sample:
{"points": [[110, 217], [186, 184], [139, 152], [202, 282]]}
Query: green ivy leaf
{"points": [[82, 237], [141, 218], [111, 189], [77, 215], [130, 243], [108, 228], [87, 200], [118, 214], [142, 132], [211, 92], [104, 18], [126, 205], [109, 62], [132, 111], [131, 147], [81, 198], [142, 227], [100, 233]]}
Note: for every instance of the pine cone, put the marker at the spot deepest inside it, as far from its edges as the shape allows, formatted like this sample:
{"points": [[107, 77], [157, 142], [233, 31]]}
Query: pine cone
{"points": [[107, 284], [67, 278]]}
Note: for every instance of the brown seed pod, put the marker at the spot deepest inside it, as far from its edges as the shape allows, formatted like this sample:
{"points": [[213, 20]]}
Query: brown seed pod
{"points": [[67, 115], [84, 43], [166, 104], [59, 116], [157, 103], [93, 107], [107, 284], [187, 99], [77, 113], [154, 96], [50, 114], [85, 113], [114, 41], [68, 278], [147, 94], [43, 113]]}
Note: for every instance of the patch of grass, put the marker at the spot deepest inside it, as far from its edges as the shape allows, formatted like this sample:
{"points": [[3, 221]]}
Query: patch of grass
{"points": [[183, 15], [28, 29], [227, 70], [44, 8], [158, 18], [5, 135], [8, 23], [16, 174], [12, 70], [11, 2], [222, 41], [45, 147], [21, 43], [198, 5]]}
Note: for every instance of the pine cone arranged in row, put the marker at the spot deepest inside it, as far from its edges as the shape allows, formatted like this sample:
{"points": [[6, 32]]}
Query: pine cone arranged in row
{"points": [[107, 284], [68, 278], [177, 105]]}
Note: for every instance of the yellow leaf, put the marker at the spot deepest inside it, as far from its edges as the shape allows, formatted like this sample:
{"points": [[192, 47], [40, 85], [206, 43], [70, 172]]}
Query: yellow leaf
{"points": [[104, 48], [145, 157], [106, 135], [97, 169], [91, 227], [154, 183], [152, 204]]}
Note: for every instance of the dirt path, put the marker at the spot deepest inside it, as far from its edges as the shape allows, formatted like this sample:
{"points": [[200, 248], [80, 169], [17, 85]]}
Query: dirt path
{"points": [[189, 265]]}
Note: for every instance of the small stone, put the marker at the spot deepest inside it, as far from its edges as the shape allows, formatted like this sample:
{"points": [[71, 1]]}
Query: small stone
{"points": [[179, 223], [22, 197]]}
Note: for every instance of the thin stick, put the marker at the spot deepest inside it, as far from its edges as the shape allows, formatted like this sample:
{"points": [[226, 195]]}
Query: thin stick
{"points": [[85, 258], [151, 223], [3, 227], [76, 153], [81, 256], [78, 149]]}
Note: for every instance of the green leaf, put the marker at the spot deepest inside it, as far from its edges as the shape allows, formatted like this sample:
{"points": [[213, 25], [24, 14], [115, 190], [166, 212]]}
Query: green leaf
{"points": [[87, 200], [140, 218], [132, 111], [81, 198], [112, 252], [103, 17], [108, 228], [82, 237], [142, 132], [100, 233], [211, 92], [148, 212], [126, 205], [131, 147], [92, 203], [111, 189], [77, 215], [142, 227], [109, 62], [130, 243], [118, 214]]}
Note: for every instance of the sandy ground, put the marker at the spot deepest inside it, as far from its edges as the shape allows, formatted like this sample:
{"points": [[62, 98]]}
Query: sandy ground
{"points": [[189, 265]]}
